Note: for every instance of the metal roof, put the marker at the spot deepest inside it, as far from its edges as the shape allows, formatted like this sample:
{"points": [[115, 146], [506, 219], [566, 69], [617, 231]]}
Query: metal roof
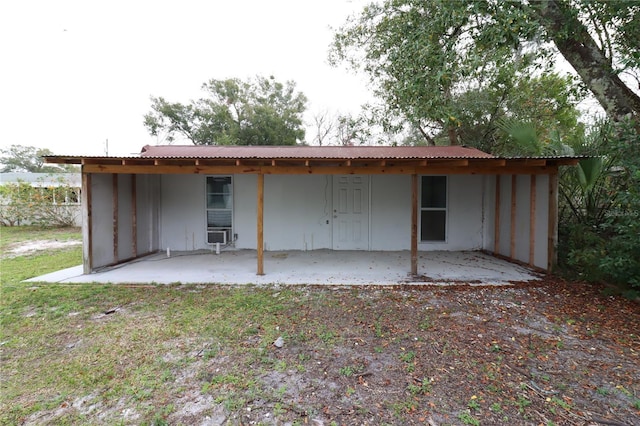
{"points": [[311, 152], [183, 159]]}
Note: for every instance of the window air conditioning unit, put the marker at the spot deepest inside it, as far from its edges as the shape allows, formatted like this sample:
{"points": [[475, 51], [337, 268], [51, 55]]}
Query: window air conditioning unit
{"points": [[217, 237]]}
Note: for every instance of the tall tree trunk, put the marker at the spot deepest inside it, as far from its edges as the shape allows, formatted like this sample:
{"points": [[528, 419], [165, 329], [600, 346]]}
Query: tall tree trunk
{"points": [[450, 122], [428, 138], [453, 135], [581, 51]]}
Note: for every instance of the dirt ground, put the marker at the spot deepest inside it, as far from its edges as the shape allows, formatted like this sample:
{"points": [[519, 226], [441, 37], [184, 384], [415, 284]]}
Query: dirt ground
{"points": [[22, 248], [532, 354]]}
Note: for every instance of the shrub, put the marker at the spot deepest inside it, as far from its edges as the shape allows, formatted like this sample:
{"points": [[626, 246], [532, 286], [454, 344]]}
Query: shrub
{"points": [[24, 204], [600, 209]]}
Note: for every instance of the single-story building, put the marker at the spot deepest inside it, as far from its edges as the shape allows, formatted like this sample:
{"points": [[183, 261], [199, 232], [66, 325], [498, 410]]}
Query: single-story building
{"points": [[187, 198]]}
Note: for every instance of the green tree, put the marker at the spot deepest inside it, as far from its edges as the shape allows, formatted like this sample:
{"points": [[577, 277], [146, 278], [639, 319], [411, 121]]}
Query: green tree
{"points": [[599, 61], [15, 201], [599, 204], [18, 158], [545, 105], [428, 59], [350, 130], [261, 111]]}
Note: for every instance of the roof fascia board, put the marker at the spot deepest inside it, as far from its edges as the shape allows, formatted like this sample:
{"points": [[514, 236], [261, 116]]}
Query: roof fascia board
{"points": [[146, 165], [324, 170]]}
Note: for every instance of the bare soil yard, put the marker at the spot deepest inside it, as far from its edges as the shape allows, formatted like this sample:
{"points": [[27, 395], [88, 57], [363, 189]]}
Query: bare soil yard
{"points": [[19, 249], [547, 353]]}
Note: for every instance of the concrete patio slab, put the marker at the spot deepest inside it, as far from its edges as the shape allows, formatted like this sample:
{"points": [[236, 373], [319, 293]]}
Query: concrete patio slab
{"points": [[305, 267]]}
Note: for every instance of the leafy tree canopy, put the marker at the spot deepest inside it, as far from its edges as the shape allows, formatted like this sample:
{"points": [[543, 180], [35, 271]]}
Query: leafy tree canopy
{"points": [[18, 158], [261, 111], [444, 65]]}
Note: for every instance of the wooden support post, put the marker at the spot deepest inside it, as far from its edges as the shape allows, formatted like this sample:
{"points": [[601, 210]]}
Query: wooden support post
{"points": [[512, 247], [552, 242], [260, 219], [134, 216], [114, 189], [532, 220], [414, 224], [496, 234], [87, 225]]}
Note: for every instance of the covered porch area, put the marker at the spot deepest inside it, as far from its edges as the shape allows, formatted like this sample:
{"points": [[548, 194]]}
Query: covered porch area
{"points": [[317, 267], [260, 201]]}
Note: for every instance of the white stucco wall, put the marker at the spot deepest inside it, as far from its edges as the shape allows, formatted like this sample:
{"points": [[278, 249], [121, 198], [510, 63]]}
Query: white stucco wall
{"points": [[147, 196], [182, 212], [505, 215], [390, 212], [103, 223], [245, 206], [542, 221], [299, 214], [489, 202], [125, 218], [102, 219], [522, 219], [296, 211]]}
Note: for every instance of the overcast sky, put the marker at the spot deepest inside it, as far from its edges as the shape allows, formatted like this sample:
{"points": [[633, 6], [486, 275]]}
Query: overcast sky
{"points": [[76, 73]]}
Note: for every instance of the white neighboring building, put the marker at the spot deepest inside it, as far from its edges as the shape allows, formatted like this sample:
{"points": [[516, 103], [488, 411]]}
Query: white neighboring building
{"points": [[63, 189]]}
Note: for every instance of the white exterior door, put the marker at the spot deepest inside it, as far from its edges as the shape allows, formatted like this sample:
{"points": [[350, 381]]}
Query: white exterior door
{"points": [[351, 212]]}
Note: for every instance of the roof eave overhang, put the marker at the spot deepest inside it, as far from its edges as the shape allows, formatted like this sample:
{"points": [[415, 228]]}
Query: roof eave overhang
{"points": [[294, 166]]}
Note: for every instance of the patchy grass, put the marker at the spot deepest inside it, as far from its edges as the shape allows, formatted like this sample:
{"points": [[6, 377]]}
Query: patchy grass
{"points": [[175, 354], [16, 268], [19, 268]]}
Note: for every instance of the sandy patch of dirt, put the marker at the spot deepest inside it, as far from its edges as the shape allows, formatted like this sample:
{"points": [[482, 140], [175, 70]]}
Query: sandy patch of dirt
{"points": [[29, 247]]}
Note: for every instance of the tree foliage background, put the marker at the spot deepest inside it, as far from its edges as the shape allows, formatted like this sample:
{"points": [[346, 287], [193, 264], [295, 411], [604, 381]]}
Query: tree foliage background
{"points": [[261, 111], [19, 158], [600, 208], [453, 70]]}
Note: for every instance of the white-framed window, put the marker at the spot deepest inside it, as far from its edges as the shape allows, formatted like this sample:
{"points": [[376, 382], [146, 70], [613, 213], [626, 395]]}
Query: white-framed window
{"points": [[433, 209], [219, 209], [58, 195]]}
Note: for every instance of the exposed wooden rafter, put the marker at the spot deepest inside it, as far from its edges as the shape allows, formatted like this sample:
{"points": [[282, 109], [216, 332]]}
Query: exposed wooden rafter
{"points": [[157, 167], [409, 166]]}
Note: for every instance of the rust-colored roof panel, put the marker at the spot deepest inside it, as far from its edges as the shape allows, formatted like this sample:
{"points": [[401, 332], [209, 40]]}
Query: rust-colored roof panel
{"points": [[458, 157], [311, 152]]}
